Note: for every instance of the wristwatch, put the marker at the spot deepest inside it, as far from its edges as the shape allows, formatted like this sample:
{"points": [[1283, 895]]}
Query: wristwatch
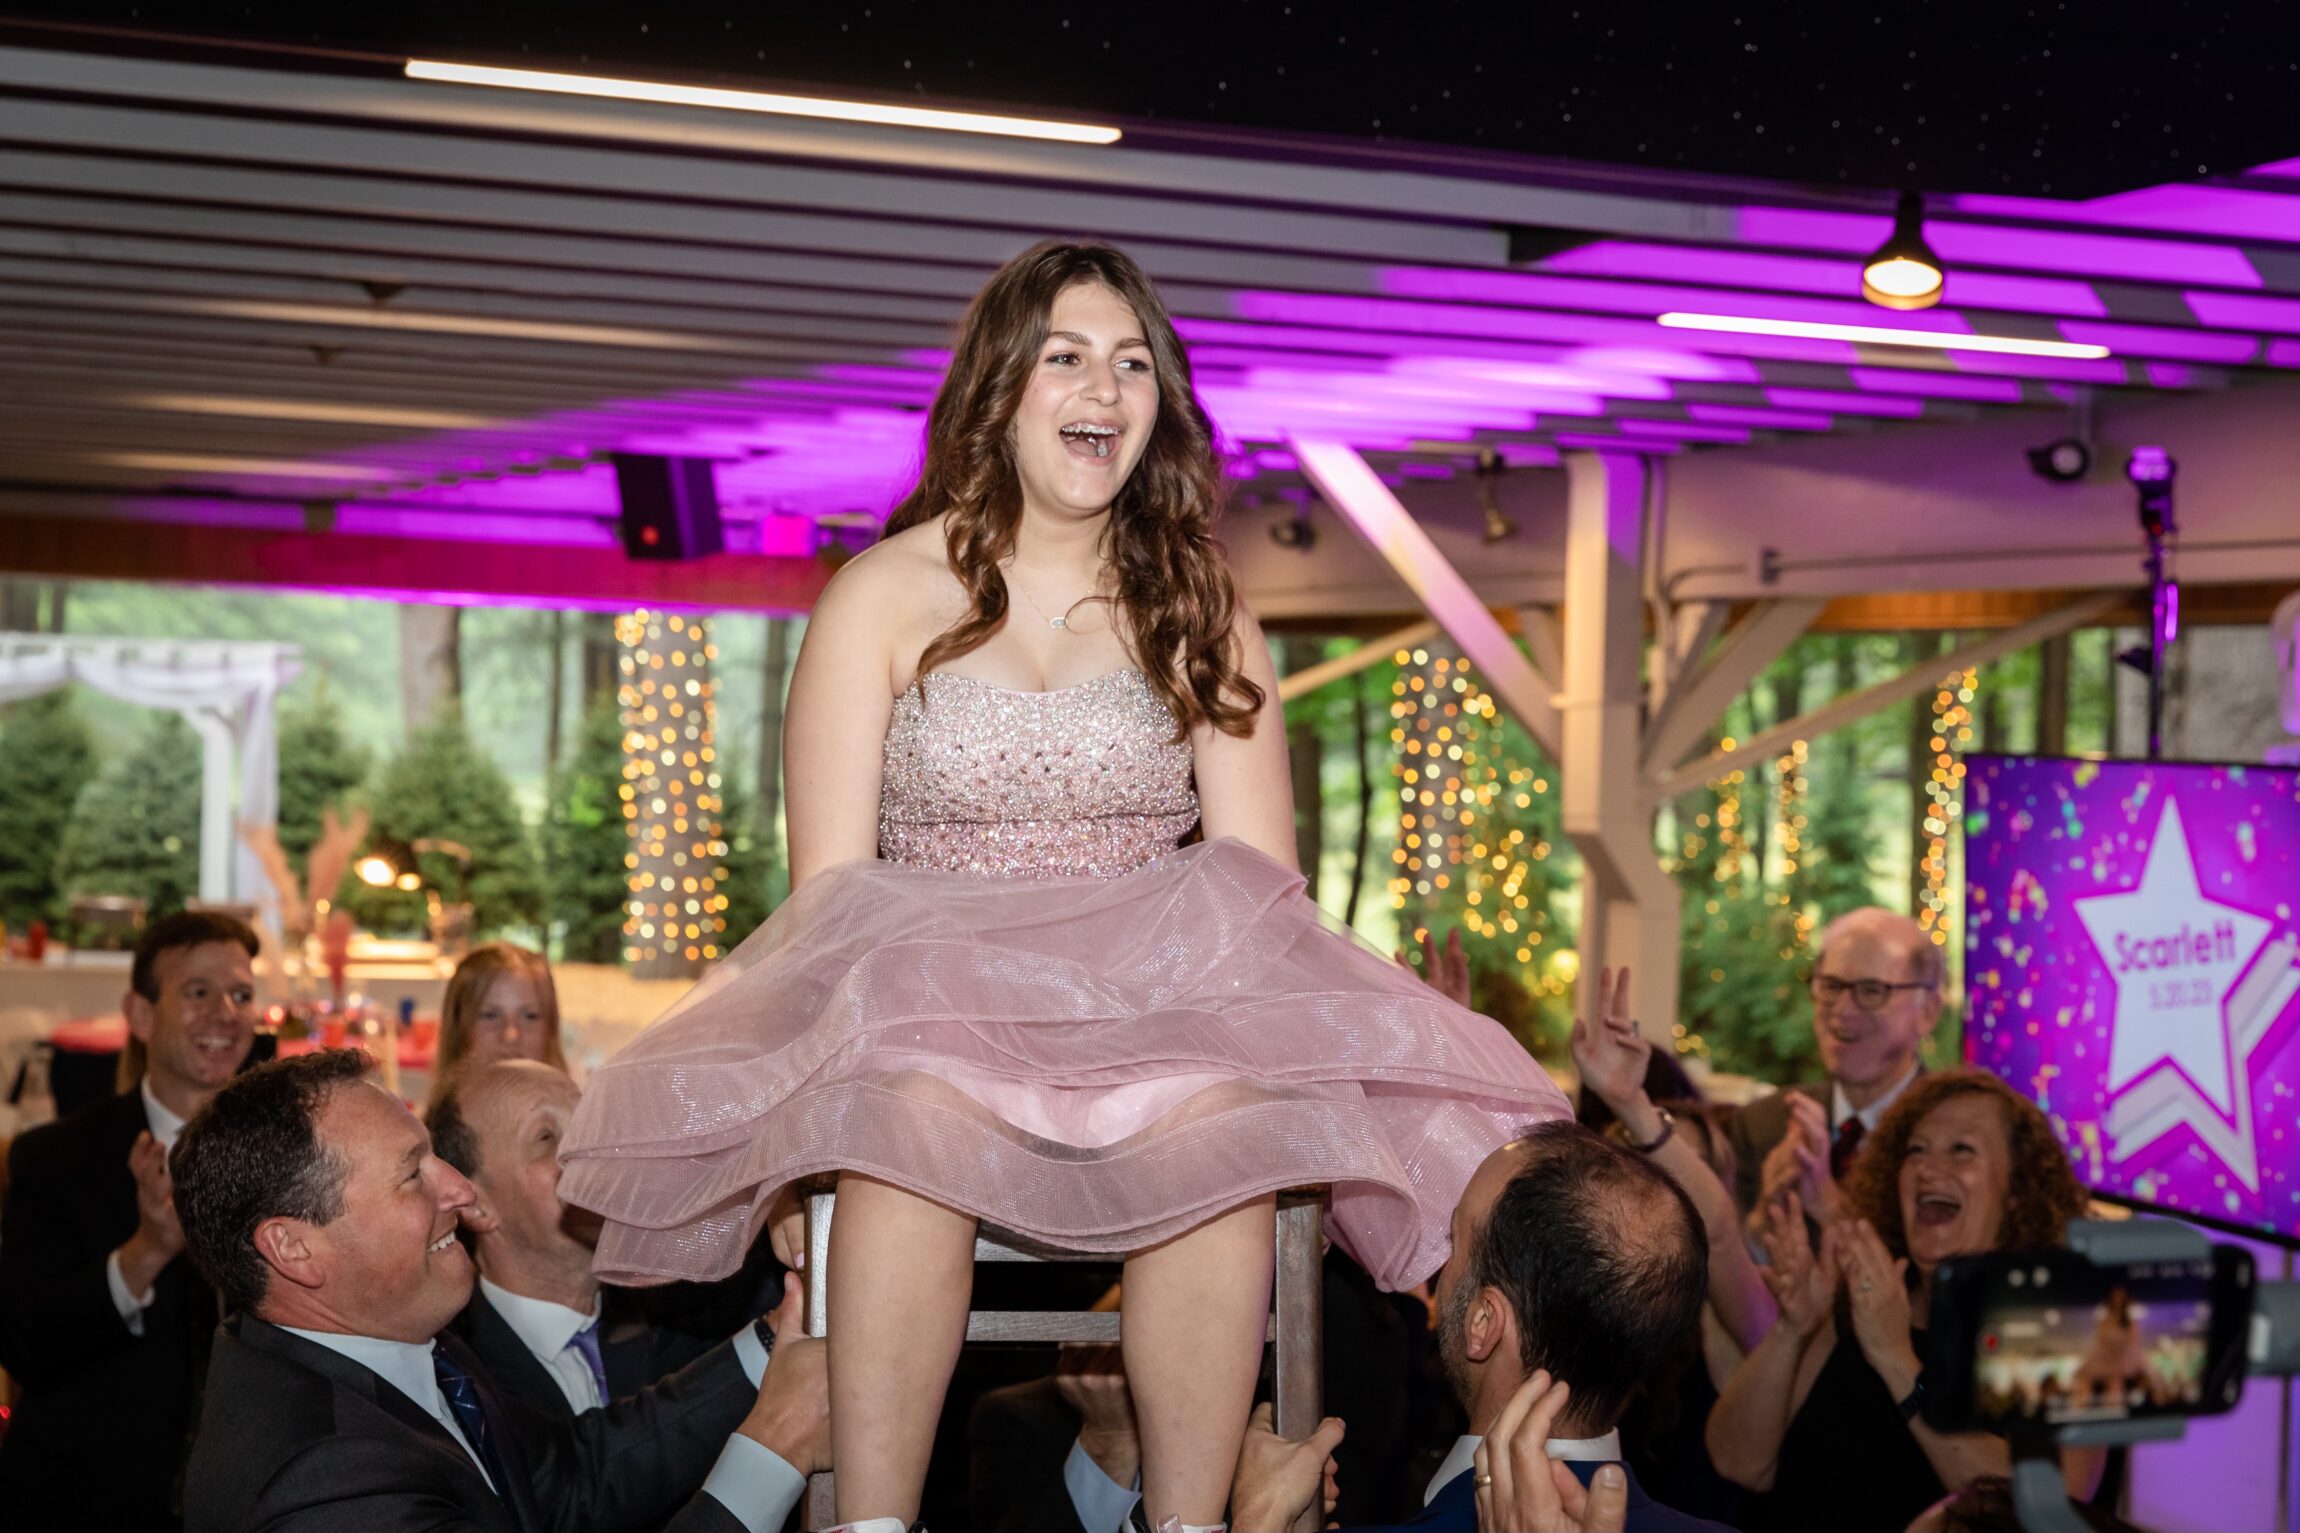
{"points": [[1668, 1127], [1914, 1400]]}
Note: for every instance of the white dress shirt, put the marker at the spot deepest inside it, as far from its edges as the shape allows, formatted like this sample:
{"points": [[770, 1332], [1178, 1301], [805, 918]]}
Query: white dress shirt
{"points": [[548, 1331], [165, 1126], [1571, 1450], [751, 1480], [1841, 1106]]}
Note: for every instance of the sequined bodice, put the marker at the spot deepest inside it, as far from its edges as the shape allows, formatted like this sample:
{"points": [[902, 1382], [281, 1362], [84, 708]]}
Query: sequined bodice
{"points": [[1084, 781]]}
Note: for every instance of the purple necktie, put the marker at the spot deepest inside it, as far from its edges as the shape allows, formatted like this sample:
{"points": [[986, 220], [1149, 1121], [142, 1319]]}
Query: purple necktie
{"points": [[586, 1341]]}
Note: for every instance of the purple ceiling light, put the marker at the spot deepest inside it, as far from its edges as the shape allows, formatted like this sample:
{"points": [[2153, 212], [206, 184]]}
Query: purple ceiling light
{"points": [[1758, 417], [1939, 385], [1846, 403], [1809, 274], [2179, 207], [2080, 254]]}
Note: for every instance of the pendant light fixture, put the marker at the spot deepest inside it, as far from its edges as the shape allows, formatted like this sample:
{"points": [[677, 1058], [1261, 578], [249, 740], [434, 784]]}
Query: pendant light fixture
{"points": [[1904, 273]]}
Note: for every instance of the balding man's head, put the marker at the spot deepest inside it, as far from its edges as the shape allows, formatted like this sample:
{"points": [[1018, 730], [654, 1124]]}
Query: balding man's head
{"points": [[501, 1124], [1876, 995], [1576, 1255]]}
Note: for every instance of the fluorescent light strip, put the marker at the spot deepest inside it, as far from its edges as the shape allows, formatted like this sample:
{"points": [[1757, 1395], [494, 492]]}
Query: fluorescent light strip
{"points": [[760, 101], [216, 463], [1879, 335], [309, 410]]}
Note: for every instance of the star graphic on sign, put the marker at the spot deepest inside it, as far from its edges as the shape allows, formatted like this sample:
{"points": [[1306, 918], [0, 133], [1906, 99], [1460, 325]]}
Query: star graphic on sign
{"points": [[2175, 956]]}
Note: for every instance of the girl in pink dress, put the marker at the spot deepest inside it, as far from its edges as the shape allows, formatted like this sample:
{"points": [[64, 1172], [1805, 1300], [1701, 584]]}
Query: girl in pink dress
{"points": [[1002, 990]]}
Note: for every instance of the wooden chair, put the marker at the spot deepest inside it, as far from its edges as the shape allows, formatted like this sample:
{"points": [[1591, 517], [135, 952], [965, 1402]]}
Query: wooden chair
{"points": [[1297, 1320]]}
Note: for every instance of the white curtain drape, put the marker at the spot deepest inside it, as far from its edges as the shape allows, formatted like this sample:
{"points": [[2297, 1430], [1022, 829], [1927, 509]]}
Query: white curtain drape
{"points": [[229, 692]]}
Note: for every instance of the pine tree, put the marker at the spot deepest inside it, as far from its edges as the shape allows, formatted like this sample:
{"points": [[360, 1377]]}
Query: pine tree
{"points": [[586, 841], [440, 787], [320, 769], [46, 759], [136, 829]]}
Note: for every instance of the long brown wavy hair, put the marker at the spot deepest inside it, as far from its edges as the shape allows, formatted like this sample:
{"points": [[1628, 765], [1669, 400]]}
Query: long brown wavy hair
{"points": [[1167, 569], [2044, 1193]]}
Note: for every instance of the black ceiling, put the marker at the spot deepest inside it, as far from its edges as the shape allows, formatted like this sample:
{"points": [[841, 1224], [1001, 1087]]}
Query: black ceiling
{"points": [[2064, 100]]}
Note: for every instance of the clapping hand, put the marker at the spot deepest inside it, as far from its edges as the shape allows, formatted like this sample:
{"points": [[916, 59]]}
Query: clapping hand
{"points": [[1801, 1161], [1877, 1291], [1611, 1054], [1803, 1285], [1521, 1489]]}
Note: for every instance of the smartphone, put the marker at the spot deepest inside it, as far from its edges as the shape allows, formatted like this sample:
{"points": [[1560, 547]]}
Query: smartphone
{"points": [[2039, 1339]]}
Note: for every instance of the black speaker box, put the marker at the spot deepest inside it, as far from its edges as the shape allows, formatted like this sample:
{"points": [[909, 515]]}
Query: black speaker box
{"points": [[670, 507]]}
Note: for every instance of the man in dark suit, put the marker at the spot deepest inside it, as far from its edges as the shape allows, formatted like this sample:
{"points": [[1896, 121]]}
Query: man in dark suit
{"points": [[1574, 1258], [311, 1199], [102, 1321], [549, 1333], [1876, 997]]}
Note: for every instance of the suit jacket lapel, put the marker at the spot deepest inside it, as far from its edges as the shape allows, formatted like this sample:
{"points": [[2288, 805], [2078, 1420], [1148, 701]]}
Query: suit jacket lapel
{"points": [[519, 1370], [517, 1499], [504, 1432]]}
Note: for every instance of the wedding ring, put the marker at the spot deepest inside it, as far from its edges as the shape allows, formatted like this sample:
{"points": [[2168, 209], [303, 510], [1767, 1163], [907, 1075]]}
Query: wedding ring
{"points": [[1482, 1481], [1867, 1284]]}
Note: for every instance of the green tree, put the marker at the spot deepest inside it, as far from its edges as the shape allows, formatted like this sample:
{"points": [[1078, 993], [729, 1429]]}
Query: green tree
{"points": [[45, 760], [320, 769], [440, 787], [586, 839], [136, 828]]}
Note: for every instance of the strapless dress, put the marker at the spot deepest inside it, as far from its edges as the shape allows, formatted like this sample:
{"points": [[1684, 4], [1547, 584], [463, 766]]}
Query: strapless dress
{"points": [[1036, 1007]]}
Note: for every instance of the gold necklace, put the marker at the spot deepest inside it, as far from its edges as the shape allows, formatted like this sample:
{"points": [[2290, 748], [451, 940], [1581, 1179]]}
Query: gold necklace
{"points": [[1062, 622]]}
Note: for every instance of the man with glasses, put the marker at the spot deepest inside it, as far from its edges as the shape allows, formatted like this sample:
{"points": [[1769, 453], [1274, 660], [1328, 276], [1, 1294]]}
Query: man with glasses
{"points": [[102, 1319], [1876, 992]]}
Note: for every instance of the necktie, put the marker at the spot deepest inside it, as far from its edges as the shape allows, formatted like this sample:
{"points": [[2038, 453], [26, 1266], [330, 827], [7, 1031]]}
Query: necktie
{"points": [[462, 1394], [586, 1341], [1846, 1146]]}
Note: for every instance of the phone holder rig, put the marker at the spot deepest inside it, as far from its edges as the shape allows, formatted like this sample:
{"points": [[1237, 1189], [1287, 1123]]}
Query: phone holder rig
{"points": [[2040, 1492]]}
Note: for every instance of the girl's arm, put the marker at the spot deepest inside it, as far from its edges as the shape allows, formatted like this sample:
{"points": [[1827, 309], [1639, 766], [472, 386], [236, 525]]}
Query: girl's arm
{"points": [[1244, 788], [834, 725]]}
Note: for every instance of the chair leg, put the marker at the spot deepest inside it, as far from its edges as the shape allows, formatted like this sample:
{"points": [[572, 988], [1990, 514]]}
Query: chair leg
{"points": [[822, 1507], [1300, 1328]]}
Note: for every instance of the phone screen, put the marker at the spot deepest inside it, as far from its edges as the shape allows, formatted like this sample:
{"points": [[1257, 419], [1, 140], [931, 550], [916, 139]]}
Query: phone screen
{"points": [[2055, 1338]]}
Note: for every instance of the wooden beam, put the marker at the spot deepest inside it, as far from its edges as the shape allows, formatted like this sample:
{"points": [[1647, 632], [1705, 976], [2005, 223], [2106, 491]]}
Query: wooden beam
{"points": [[1326, 672], [1911, 683], [442, 570], [1367, 505], [1754, 643]]}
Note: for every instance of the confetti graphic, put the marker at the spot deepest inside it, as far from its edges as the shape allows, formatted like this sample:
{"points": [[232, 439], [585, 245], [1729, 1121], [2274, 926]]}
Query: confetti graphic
{"points": [[2133, 964]]}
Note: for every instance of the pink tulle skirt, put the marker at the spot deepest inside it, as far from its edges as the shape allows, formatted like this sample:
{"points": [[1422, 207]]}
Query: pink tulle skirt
{"points": [[1090, 1064]]}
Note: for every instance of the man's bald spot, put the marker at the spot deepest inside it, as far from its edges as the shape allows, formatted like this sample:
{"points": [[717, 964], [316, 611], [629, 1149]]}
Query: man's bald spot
{"points": [[492, 1098], [1895, 930]]}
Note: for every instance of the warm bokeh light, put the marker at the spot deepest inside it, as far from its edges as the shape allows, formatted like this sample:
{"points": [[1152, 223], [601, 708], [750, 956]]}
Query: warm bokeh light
{"points": [[674, 920]]}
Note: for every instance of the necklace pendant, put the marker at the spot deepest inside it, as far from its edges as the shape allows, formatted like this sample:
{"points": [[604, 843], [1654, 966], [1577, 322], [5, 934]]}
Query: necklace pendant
{"points": [[1057, 622]]}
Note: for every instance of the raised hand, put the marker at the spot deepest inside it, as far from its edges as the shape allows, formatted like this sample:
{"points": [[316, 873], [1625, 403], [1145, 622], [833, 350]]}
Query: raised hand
{"points": [[1611, 1056], [1446, 969]]}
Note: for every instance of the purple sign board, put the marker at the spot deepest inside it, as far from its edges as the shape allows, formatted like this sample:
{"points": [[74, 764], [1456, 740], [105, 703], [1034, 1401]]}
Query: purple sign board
{"points": [[2132, 963]]}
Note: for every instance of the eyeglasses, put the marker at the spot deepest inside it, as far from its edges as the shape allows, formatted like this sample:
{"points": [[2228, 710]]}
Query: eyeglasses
{"points": [[1868, 994]]}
